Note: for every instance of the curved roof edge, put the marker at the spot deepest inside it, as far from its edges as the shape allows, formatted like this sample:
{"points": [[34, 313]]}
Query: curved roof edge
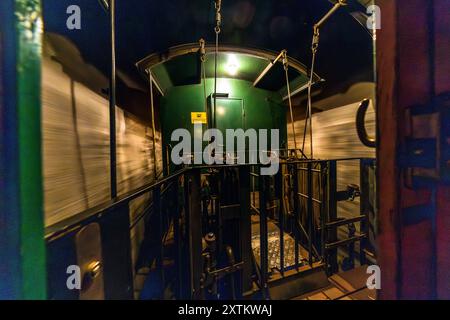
{"points": [[155, 59]]}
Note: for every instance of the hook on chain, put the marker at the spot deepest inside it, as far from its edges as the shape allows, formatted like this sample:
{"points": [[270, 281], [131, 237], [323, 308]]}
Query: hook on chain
{"points": [[202, 50], [218, 5], [285, 60], [315, 42]]}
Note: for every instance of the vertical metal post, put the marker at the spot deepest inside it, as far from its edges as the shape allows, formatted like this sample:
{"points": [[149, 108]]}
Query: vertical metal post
{"points": [[158, 212], [153, 123], [364, 207], [167, 161], [323, 213], [195, 233], [280, 196], [178, 240], [218, 212], [310, 212], [245, 229], [296, 214], [263, 232], [254, 186], [112, 101], [22, 245], [332, 214], [187, 215]]}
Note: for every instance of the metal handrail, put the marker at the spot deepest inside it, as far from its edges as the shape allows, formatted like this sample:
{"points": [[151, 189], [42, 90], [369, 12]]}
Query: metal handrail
{"points": [[65, 225]]}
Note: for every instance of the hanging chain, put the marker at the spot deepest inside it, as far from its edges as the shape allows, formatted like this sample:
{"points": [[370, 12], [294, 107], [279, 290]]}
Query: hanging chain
{"points": [[314, 47], [217, 30], [288, 86], [152, 106], [218, 6], [202, 52]]}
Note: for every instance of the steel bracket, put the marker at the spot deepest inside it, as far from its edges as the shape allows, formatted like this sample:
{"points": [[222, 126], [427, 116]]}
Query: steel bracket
{"points": [[425, 155]]}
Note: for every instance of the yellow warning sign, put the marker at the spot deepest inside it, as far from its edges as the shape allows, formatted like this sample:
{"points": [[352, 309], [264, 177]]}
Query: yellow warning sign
{"points": [[198, 117]]}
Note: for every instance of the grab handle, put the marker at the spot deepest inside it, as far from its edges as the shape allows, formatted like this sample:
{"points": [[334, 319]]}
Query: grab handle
{"points": [[361, 127]]}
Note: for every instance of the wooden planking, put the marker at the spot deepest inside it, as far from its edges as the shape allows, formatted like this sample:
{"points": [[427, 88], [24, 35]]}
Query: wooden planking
{"points": [[407, 250], [388, 174], [405, 269]]}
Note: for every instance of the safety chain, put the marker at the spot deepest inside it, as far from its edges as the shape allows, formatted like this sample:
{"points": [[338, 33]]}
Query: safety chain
{"points": [[218, 6], [314, 47], [285, 60], [202, 53], [202, 50], [288, 87], [315, 42]]}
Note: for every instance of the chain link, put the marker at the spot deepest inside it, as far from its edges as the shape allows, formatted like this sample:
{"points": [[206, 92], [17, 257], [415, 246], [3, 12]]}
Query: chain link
{"points": [[288, 87]]}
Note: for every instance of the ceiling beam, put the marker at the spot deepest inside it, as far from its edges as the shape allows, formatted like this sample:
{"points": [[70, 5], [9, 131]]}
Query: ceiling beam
{"points": [[268, 68], [301, 89]]}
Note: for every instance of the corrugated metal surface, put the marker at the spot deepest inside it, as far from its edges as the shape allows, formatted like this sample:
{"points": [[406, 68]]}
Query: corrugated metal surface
{"points": [[75, 125]]}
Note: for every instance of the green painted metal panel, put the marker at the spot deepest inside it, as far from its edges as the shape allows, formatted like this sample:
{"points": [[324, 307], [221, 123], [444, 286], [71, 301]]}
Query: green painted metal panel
{"points": [[22, 206], [184, 71], [263, 109], [229, 115]]}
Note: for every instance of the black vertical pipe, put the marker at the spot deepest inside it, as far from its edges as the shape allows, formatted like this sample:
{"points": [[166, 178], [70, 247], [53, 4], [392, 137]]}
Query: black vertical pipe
{"points": [[158, 212], [296, 213], [310, 212], [187, 215], [246, 230], [178, 240], [150, 77], [263, 233], [332, 214], [112, 102], [280, 191], [364, 208], [323, 212], [195, 233], [218, 213], [253, 186]]}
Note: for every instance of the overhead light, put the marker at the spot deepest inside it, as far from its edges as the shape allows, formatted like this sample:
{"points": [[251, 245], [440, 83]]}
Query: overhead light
{"points": [[232, 66]]}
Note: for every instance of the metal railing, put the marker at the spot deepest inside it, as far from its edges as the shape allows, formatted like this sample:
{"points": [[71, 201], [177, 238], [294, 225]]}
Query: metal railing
{"points": [[302, 209], [307, 212]]}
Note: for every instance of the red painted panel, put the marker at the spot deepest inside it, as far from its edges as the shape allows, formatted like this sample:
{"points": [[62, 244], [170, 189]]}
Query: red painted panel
{"points": [[404, 80], [442, 84], [442, 43], [443, 242], [417, 267], [387, 145], [413, 49], [414, 89]]}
